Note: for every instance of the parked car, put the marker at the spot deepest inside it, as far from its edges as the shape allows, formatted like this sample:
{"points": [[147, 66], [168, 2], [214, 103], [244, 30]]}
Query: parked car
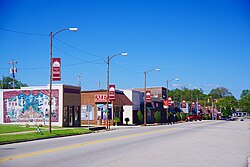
{"points": [[194, 118]]}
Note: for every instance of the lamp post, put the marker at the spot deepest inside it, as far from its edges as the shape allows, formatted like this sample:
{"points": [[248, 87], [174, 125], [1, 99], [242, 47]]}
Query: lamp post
{"points": [[145, 86], [176, 79], [108, 62], [50, 83]]}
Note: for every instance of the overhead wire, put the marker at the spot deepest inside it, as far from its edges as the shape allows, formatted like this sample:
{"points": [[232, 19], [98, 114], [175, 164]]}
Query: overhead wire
{"points": [[24, 33]]}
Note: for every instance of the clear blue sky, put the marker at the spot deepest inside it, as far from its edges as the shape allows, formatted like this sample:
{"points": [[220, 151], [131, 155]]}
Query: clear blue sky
{"points": [[203, 42]]}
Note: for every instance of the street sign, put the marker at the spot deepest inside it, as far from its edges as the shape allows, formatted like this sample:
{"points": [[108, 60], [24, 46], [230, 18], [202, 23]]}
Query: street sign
{"points": [[148, 96], [111, 92], [56, 69]]}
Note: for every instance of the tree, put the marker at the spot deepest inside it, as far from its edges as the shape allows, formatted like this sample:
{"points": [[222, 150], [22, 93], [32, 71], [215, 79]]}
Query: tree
{"points": [[6, 83], [244, 102], [157, 116], [220, 93], [227, 105], [140, 116]]}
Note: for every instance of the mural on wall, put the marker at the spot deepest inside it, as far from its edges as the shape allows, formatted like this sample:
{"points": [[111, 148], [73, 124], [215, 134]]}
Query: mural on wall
{"points": [[30, 106]]}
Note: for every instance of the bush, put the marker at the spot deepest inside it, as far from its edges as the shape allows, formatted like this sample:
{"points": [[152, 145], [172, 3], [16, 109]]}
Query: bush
{"points": [[184, 116], [27, 125], [116, 120], [127, 120], [40, 125], [178, 116], [140, 117], [157, 116]]}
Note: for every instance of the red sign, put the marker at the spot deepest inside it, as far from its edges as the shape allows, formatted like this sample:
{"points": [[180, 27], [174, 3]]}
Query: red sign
{"points": [[148, 96], [199, 107], [183, 104], [56, 69], [101, 98], [165, 103], [169, 100], [111, 92]]}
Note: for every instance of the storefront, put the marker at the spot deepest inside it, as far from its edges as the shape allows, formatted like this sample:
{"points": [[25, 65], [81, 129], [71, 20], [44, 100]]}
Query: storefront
{"points": [[30, 105], [94, 107]]}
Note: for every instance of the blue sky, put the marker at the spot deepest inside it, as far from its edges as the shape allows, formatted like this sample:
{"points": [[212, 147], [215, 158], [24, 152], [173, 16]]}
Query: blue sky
{"points": [[205, 43]]}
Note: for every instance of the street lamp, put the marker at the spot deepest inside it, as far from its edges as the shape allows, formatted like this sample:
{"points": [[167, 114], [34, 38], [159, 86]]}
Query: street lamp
{"points": [[50, 83], [176, 79], [145, 85], [108, 62]]}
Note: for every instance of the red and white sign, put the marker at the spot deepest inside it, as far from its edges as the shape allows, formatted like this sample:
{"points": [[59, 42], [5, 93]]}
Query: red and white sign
{"points": [[56, 69], [111, 92], [170, 100], [148, 96], [183, 104], [101, 98], [165, 103], [199, 107]]}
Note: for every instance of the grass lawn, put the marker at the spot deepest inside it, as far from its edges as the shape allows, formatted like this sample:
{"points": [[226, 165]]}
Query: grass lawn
{"points": [[15, 128], [35, 135]]}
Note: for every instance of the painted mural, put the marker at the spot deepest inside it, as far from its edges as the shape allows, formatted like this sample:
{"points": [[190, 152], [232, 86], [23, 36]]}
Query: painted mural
{"points": [[30, 106]]}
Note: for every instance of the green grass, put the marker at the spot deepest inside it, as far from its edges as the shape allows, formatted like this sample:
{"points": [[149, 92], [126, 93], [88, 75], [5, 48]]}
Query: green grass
{"points": [[15, 128], [4, 138]]}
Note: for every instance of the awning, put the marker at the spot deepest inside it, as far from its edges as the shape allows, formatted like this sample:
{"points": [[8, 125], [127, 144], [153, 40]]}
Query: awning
{"points": [[122, 100]]}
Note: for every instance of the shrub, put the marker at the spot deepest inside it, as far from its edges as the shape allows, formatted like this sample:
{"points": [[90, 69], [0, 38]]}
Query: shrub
{"points": [[40, 125], [157, 116], [140, 117], [184, 115], [127, 120], [116, 120], [27, 125], [178, 116]]}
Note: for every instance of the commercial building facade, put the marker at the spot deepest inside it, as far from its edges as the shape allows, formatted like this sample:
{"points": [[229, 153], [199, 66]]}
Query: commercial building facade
{"points": [[30, 105], [94, 107]]}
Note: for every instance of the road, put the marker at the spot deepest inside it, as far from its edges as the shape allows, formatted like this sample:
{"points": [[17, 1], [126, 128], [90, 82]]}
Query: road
{"points": [[205, 143]]}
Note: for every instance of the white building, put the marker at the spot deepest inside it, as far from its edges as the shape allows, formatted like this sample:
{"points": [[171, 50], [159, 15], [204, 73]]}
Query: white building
{"points": [[131, 111]]}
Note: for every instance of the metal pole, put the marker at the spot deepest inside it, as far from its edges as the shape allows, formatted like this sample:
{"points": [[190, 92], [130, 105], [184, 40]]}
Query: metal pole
{"points": [[50, 82], [212, 108], [167, 105], [145, 104], [107, 107]]}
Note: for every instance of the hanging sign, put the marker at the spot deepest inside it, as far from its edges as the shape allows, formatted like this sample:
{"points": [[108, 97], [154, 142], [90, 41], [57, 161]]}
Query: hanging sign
{"points": [[56, 69], [148, 96], [170, 100], [183, 104], [111, 92]]}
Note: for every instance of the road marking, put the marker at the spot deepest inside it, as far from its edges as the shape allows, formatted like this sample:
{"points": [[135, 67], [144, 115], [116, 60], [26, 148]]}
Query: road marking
{"points": [[9, 158]]}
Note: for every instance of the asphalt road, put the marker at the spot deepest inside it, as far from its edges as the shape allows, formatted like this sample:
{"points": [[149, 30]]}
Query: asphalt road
{"points": [[205, 143]]}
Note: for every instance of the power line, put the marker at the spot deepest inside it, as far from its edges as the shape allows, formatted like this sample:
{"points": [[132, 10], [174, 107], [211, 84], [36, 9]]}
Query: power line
{"points": [[24, 33], [80, 50]]}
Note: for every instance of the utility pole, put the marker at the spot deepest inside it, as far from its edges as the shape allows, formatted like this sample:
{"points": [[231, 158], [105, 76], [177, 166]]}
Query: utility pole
{"points": [[13, 70]]}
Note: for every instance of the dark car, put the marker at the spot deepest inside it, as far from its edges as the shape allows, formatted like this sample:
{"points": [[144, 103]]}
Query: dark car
{"points": [[194, 118]]}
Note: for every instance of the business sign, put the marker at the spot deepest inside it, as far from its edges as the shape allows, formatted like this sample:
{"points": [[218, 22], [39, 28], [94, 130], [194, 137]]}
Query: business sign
{"points": [[101, 98], [165, 104], [170, 100], [111, 92], [148, 96], [56, 69]]}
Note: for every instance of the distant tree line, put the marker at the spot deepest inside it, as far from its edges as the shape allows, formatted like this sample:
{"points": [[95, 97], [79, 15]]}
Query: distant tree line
{"points": [[223, 99]]}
